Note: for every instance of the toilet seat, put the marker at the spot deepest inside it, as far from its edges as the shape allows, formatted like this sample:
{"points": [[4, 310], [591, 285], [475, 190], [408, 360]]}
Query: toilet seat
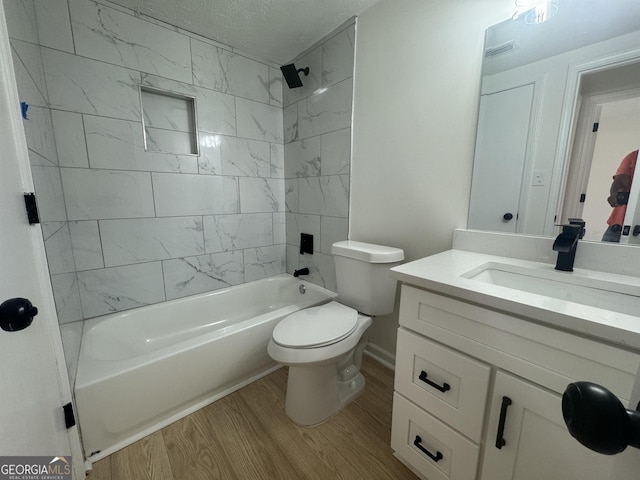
{"points": [[316, 326]]}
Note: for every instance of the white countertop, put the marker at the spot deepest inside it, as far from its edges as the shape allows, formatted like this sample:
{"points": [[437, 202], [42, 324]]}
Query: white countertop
{"points": [[443, 273]]}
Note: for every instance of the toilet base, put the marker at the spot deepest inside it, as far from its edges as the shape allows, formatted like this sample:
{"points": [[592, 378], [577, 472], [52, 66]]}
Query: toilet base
{"points": [[314, 394]]}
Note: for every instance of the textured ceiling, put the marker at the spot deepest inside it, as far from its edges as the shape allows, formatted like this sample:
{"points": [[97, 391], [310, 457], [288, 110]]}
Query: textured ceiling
{"points": [[275, 30]]}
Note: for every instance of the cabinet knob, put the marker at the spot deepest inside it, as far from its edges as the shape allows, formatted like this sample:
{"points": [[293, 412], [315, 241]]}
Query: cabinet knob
{"points": [[598, 420]]}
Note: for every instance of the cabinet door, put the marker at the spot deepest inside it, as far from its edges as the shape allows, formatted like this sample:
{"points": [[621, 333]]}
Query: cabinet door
{"points": [[535, 443]]}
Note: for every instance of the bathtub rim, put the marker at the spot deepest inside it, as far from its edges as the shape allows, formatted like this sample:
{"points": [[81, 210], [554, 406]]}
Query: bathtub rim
{"points": [[91, 370]]}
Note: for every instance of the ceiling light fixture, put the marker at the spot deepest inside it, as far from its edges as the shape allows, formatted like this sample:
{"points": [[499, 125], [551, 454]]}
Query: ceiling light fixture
{"points": [[535, 11]]}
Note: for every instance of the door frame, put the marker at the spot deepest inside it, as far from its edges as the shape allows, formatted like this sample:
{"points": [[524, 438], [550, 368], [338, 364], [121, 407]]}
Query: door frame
{"points": [[584, 145], [569, 125], [14, 144]]}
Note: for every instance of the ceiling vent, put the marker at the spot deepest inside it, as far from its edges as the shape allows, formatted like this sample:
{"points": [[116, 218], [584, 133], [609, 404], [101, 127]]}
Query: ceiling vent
{"points": [[499, 49]]}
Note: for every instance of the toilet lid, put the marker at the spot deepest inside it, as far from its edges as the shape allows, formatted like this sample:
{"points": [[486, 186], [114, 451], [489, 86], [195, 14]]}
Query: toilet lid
{"points": [[316, 326]]}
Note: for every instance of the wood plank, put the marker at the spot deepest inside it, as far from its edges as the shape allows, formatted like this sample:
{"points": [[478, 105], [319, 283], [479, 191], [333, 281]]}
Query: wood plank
{"points": [[145, 459], [356, 441], [309, 447], [101, 470], [375, 403], [373, 413], [247, 443], [247, 435], [193, 454], [377, 373]]}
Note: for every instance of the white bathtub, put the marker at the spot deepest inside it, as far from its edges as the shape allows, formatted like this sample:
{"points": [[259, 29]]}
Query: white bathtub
{"points": [[142, 369]]}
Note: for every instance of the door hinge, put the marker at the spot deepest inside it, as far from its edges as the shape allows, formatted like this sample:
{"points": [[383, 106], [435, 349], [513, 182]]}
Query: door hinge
{"points": [[583, 197], [595, 127], [32, 208], [69, 417]]}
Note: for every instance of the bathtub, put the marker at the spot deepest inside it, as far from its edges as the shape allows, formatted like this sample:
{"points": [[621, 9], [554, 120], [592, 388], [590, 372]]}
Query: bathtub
{"points": [[142, 369]]}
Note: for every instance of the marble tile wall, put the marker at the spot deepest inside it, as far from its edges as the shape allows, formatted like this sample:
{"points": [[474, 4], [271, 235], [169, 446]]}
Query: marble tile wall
{"points": [[317, 153], [126, 227]]}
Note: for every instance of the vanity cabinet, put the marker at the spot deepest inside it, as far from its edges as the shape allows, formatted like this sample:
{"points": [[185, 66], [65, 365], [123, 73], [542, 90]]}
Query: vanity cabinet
{"points": [[478, 392]]}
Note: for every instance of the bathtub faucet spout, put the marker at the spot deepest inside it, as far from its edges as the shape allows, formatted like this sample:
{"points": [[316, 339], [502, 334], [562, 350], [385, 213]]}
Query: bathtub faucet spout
{"points": [[302, 271]]}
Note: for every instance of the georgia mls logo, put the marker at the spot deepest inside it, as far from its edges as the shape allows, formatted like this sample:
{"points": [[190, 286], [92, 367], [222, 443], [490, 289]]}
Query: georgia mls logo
{"points": [[35, 468]]}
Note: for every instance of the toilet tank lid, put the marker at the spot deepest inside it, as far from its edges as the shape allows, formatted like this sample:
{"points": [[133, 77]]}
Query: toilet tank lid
{"points": [[367, 252]]}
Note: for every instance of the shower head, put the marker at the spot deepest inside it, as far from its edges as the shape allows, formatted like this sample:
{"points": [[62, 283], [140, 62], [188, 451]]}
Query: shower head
{"points": [[291, 75]]}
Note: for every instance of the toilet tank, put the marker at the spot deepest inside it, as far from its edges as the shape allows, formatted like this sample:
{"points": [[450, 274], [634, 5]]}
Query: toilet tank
{"points": [[362, 275]]}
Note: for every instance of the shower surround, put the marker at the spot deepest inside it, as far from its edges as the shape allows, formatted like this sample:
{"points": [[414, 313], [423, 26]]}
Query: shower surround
{"points": [[317, 153], [126, 227]]}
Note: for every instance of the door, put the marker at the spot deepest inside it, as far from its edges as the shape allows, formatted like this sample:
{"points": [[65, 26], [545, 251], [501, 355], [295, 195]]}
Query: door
{"points": [[632, 216], [498, 165], [33, 378], [535, 443], [608, 130], [631, 229]]}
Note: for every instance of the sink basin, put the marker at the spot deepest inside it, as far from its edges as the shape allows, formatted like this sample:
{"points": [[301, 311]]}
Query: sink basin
{"points": [[570, 287]]}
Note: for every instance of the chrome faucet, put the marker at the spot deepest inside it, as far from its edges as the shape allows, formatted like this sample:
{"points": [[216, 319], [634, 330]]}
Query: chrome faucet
{"points": [[566, 244]]}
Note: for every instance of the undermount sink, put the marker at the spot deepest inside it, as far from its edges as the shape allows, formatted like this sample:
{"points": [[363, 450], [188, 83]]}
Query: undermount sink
{"points": [[570, 287]]}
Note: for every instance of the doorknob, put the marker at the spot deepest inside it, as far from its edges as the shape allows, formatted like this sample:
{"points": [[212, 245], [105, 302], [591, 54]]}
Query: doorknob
{"points": [[507, 216], [598, 420], [16, 314]]}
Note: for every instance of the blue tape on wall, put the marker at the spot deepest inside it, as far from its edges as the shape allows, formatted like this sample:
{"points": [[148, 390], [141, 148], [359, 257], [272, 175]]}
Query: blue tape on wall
{"points": [[24, 106]]}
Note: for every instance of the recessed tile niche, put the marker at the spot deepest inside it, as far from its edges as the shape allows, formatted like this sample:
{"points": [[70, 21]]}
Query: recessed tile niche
{"points": [[169, 122]]}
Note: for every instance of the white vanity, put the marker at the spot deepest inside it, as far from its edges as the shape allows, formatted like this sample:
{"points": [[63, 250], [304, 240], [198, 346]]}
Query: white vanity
{"points": [[486, 346]]}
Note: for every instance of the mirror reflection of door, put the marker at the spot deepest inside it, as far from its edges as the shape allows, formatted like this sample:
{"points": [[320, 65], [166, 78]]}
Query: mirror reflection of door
{"points": [[617, 136], [632, 216], [609, 133], [501, 148], [609, 99]]}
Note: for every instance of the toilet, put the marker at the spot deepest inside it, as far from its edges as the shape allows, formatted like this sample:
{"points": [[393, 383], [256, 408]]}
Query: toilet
{"points": [[323, 345]]}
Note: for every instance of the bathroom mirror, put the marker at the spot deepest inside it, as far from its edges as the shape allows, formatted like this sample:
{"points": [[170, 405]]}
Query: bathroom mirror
{"points": [[558, 100]]}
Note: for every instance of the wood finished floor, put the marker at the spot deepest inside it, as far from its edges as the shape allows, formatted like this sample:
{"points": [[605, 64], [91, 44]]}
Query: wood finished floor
{"points": [[248, 436]]}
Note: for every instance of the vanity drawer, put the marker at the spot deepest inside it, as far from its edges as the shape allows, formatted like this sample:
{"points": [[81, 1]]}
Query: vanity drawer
{"points": [[547, 356], [451, 386], [430, 446]]}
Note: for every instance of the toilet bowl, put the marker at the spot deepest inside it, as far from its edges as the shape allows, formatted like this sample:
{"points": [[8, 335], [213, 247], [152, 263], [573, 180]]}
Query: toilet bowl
{"points": [[324, 364], [323, 345]]}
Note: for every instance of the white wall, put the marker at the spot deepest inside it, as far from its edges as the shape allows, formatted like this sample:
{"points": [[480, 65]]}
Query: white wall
{"points": [[416, 94]]}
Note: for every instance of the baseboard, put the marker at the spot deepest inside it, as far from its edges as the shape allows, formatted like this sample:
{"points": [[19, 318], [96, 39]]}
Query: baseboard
{"points": [[379, 354]]}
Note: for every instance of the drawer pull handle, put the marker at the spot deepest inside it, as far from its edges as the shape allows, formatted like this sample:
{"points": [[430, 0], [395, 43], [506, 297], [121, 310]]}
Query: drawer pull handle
{"points": [[436, 458], [445, 386], [500, 441]]}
